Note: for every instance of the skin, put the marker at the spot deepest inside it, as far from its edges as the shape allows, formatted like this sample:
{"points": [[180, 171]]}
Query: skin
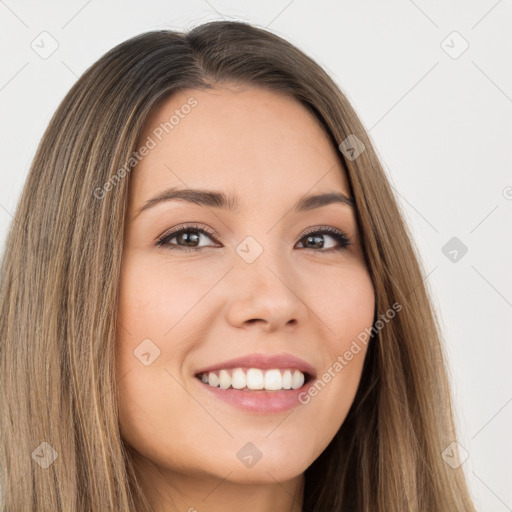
{"points": [[210, 305]]}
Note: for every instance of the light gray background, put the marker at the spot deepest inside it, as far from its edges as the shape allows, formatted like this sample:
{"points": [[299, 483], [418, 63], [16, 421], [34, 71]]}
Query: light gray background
{"points": [[441, 123]]}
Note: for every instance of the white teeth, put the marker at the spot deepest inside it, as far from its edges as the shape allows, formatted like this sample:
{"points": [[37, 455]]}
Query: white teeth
{"points": [[224, 379], [213, 379], [287, 379], [238, 379], [273, 380], [297, 379], [255, 379]]}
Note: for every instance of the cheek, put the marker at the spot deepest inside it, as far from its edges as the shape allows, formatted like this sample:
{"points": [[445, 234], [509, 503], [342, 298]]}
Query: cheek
{"points": [[345, 315], [344, 304], [154, 299], [155, 296]]}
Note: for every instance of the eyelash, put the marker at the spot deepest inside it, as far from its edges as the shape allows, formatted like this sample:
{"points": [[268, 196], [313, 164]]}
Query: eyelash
{"points": [[340, 237]]}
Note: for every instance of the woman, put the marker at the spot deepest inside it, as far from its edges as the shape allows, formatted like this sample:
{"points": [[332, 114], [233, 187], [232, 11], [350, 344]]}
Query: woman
{"points": [[210, 300]]}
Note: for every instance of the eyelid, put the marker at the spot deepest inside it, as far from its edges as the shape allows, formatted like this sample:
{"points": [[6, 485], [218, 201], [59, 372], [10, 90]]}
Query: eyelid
{"points": [[329, 229]]}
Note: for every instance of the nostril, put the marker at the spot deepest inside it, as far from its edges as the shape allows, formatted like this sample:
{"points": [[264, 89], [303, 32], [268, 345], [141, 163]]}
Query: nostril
{"points": [[253, 320]]}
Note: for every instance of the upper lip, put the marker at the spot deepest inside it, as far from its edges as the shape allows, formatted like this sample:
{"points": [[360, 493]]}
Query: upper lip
{"points": [[264, 362]]}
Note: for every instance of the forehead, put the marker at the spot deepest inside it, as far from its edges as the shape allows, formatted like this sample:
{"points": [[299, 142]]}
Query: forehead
{"points": [[246, 140]]}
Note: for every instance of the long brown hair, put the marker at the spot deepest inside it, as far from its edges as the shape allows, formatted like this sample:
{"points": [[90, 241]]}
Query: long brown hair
{"points": [[60, 443]]}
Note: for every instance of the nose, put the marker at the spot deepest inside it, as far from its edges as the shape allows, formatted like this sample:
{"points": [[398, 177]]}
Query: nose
{"points": [[266, 293]]}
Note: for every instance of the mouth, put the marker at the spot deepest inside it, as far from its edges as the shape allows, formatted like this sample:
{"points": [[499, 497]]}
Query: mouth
{"points": [[256, 379], [258, 383]]}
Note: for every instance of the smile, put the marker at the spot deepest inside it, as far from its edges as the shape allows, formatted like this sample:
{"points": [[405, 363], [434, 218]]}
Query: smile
{"points": [[273, 379]]}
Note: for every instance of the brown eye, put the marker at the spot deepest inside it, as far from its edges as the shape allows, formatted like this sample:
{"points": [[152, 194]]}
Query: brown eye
{"points": [[187, 238], [316, 239]]}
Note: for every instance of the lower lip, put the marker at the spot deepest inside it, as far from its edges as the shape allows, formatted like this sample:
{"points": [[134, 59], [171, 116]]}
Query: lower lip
{"points": [[260, 401]]}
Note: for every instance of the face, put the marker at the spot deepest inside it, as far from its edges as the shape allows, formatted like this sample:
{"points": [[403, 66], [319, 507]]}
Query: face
{"points": [[281, 284]]}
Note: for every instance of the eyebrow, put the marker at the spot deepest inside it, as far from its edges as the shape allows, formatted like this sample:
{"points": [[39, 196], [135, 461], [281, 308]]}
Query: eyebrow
{"points": [[216, 199]]}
